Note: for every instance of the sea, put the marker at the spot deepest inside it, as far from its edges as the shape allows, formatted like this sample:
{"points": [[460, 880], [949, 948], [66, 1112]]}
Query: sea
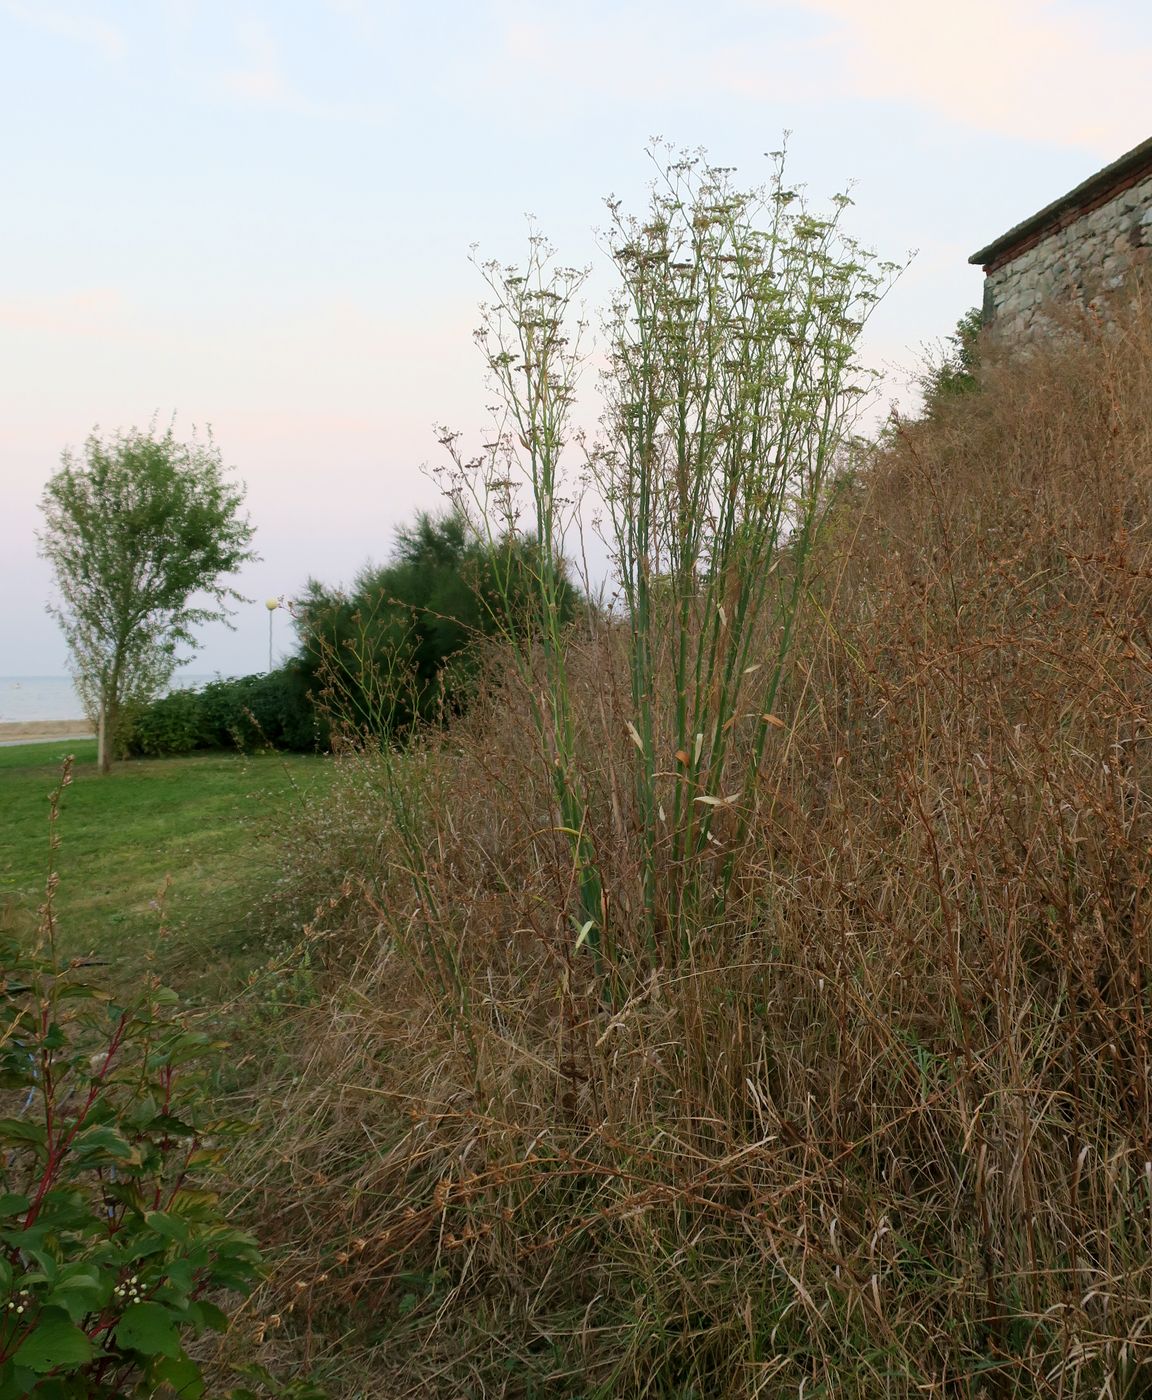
{"points": [[28, 698]]}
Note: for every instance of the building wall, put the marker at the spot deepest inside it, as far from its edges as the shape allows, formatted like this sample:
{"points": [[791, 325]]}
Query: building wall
{"points": [[1091, 256]]}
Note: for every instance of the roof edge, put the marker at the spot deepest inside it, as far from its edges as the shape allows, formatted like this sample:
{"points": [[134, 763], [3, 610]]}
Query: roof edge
{"points": [[1088, 191]]}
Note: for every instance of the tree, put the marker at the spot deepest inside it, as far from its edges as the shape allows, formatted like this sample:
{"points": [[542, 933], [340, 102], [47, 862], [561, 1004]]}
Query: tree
{"points": [[134, 529], [953, 372], [398, 647]]}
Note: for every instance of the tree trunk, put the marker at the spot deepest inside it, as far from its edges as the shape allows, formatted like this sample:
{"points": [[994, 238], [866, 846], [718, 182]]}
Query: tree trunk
{"points": [[110, 712], [111, 731], [101, 741]]}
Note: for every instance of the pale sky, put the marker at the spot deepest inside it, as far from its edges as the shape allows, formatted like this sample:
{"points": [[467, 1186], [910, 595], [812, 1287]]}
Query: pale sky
{"points": [[258, 215]]}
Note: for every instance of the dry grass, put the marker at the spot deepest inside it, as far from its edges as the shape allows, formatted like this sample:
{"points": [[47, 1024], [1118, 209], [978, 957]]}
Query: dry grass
{"points": [[877, 1126]]}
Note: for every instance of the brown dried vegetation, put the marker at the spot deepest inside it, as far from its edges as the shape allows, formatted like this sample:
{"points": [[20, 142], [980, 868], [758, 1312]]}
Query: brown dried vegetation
{"points": [[882, 1126]]}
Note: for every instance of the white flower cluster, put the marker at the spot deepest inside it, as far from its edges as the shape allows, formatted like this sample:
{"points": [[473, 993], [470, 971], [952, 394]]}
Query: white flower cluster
{"points": [[129, 1290], [18, 1303]]}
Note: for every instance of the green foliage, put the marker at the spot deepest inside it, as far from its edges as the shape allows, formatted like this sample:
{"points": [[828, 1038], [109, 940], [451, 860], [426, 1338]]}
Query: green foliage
{"points": [[134, 530], [399, 646], [170, 725], [271, 711], [955, 372], [109, 1241], [259, 711], [111, 1238], [115, 1250]]}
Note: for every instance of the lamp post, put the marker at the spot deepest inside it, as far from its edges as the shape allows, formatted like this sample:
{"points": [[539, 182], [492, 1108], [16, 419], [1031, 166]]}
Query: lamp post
{"points": [[272, 604]]}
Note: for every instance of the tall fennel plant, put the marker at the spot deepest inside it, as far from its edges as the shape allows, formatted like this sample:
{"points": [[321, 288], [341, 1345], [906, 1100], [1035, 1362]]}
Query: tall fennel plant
{"points": [[730, 387], [730, 383], [530, 337]]}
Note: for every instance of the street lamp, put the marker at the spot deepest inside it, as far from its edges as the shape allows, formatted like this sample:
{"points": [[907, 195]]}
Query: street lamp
{"points": [[272, 604]]}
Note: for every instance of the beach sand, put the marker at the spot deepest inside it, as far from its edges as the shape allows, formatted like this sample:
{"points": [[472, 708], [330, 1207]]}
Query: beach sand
{"points": [[26, 731]]}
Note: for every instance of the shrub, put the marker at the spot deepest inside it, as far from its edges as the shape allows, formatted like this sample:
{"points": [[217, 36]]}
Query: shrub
{"points": [[272, 710], [955, 370], [261, 711], [171, 725], [114, 1249], [400, 646]]}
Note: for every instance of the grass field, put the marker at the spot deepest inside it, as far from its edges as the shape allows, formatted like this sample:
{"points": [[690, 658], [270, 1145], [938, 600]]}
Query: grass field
{"points": [[201, 827]]}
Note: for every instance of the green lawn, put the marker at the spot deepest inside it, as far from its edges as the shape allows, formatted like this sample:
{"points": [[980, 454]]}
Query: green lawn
{"points": [[205, 824]]}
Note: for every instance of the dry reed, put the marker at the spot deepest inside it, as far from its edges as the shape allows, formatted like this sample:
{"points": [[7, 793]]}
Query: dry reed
{"points": [[886, 1131]]}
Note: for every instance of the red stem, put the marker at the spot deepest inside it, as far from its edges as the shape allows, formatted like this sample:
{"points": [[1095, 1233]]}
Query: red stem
{"points": [[57, 1151]]}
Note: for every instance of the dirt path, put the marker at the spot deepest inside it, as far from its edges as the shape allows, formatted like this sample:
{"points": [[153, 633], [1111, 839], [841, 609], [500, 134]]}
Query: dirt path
{"points": [[27, 731]]}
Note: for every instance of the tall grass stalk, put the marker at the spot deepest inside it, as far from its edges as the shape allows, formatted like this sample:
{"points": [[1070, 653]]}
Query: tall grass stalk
{"points": [[530, 338]]}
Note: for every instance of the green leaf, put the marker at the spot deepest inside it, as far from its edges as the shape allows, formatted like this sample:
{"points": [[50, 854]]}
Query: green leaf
{"points": [[15, 1382], [79, 990], [78, 1294], [231, 1127], [194, 1205], [65, 1208], [182, 1049], [12, 1204], [140, 1113], [54, 1387], [131, 1194], [147, 1328], [147, 1244], [206, 1157], [56, 1343], [172, 1127], [94, 1145], [21, 1130], [46, 1260], [181, 1375], [181, 1278], [209, 1315], [169, 1225], [102, 1111]]}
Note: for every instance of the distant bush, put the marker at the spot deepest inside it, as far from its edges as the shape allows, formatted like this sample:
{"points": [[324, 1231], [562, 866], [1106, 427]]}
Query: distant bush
{"points": [[170, 725], [248, 712], [399, 647], [261, 711]]}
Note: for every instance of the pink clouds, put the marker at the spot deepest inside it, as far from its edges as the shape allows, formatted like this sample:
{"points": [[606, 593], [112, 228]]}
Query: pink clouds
{"points": [[1021, 68], [1025, 69], [96, 311]]}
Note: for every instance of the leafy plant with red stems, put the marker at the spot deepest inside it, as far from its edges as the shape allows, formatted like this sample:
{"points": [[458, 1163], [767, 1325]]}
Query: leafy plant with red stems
{"points": [[114, 1249]]}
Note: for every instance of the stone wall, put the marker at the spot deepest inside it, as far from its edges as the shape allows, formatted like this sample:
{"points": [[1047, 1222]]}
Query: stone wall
{"points": [[1090, 256]]}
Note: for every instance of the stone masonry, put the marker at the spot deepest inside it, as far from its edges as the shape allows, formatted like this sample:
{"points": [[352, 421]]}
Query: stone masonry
{"points": [[1083, 247]]}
